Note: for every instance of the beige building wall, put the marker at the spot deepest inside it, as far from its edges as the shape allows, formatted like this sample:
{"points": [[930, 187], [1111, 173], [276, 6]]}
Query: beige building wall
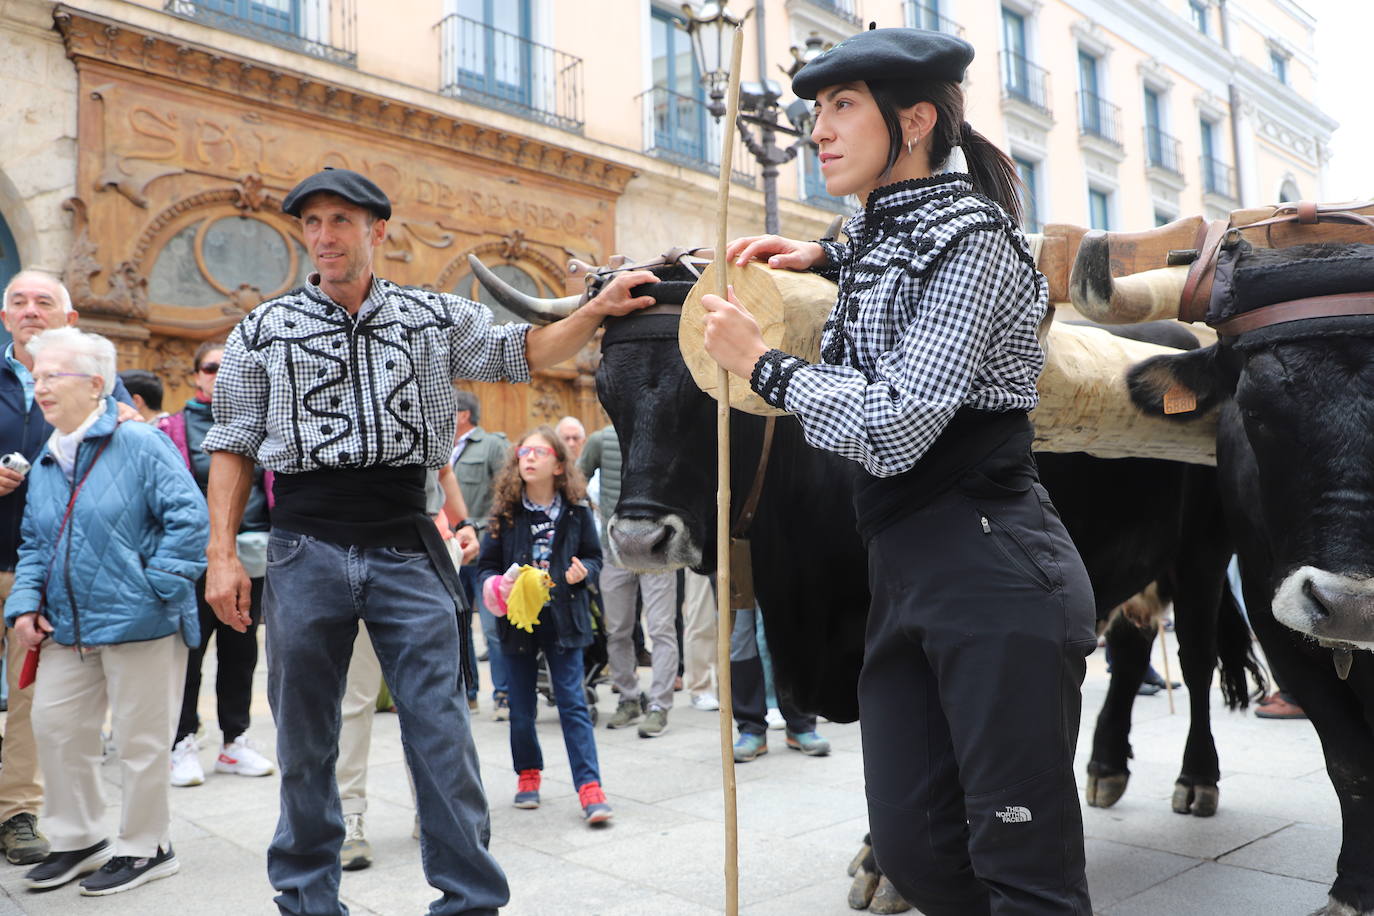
{"points": [[398, 54]]}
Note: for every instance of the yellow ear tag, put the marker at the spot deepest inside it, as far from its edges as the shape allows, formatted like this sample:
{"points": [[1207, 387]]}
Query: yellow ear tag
{"points": [[1179, 399]]}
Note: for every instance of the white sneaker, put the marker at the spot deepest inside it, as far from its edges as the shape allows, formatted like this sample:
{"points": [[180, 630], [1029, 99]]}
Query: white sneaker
{"points": [[186, 769], [356, 852], [705, 702], [774, 718], [240, 757]]}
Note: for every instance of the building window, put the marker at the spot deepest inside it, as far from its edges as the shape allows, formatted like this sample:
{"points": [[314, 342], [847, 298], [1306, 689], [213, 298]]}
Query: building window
{"points": [[813, 184], [927, 14], [1099, 209], [1161, 149], [1029, 192], [1162, 218], [207, 261], [486, 56], [679, 111], [1289, 192], [1197, 11], [1278, 65], [9, 266], [1021, 79], [320, 28]]}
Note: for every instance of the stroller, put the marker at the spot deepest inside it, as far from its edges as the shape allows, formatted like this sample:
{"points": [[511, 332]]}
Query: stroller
{"points": [[594, 660]]}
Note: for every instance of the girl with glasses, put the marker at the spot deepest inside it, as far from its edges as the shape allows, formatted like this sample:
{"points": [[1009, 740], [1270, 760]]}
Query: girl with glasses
{"points": [[540, 519]]}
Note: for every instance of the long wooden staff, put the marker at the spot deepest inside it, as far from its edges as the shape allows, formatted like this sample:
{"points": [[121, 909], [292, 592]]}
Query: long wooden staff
{"points": [[724, 618]]}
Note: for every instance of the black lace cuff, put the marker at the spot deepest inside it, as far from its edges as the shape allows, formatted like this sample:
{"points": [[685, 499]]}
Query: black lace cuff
{"points": [[834, 254], [771, 375]]}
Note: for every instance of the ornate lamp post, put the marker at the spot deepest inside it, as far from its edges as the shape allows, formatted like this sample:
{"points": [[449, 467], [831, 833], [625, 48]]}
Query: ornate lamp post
{"points": [[761, 110]]}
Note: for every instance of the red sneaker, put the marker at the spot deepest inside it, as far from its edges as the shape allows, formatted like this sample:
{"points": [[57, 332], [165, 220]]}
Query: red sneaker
{"points": [[1276, 707], [527, 790], [594, 807]]}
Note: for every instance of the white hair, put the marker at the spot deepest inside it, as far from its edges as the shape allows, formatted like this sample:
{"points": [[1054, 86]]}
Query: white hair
{"points": [[573, 421], [89, 353], [64, 297]]}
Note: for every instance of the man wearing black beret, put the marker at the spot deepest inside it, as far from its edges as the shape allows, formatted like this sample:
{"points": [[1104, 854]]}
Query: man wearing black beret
{"points": [[344, 389]]}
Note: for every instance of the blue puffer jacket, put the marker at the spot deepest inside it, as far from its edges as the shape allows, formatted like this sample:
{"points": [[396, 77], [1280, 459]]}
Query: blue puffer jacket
{"points": [[126, 567]]}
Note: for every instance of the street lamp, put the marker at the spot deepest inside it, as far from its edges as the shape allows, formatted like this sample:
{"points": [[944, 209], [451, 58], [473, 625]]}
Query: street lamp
{"points": [[760, 103]]}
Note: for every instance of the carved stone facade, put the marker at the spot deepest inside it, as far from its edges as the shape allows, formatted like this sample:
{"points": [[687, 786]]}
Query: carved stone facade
{"points": [[184, 158]]}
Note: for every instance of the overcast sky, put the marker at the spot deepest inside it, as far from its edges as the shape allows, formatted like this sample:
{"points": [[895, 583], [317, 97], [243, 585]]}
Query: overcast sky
{"points": [[1345, 90]]}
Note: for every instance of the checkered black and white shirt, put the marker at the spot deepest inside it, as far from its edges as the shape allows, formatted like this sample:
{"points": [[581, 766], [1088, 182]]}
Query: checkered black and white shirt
{"points": [[938, 306], [306, 386]]}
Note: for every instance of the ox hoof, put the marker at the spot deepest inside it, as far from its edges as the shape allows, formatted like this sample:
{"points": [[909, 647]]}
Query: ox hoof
{"points": [[1335, 908], [862, 890], [887, 900], [1106, 790], [1199, 801], [857, 862]]}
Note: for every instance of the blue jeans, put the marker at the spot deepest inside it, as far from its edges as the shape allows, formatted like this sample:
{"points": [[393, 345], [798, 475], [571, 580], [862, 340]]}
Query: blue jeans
{"points": [[315, 594], [495, 658], [565, 673]]}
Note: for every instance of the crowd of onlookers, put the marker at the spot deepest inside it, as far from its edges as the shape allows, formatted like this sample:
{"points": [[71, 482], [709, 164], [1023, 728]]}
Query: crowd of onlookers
{"points": [[102, 578]]}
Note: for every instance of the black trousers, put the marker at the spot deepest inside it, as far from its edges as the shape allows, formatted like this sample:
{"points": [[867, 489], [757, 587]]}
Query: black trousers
{"points": [[236, 656], [969, 699], [749, 688]]}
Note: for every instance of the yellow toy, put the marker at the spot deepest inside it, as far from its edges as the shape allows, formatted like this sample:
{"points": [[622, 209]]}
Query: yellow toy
{"points": [[527, 598]]}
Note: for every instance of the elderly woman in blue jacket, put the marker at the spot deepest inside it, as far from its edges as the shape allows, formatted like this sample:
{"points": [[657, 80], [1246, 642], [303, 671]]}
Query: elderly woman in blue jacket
{"points": [[114, 538]]}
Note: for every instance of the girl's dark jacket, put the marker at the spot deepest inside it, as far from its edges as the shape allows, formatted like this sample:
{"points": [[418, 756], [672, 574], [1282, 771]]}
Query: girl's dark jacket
{"points": [[569, 610]]}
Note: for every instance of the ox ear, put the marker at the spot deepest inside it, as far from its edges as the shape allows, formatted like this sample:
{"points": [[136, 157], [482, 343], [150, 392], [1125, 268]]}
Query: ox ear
{"points": [[1182, 386]]}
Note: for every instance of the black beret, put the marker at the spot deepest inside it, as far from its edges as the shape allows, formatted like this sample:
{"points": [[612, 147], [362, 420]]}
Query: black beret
{"points": [[903, 54], [352, 187]]}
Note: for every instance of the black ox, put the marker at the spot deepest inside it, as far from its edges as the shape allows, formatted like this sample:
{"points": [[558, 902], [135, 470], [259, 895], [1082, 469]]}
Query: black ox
{"points": [[1295, 452]]}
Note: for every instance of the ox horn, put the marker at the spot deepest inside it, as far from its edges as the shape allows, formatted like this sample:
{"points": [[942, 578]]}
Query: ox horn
{"points": [[531, 308], [1147, 296]]}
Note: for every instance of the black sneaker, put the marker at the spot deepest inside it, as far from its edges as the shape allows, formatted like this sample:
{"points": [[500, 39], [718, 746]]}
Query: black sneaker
{"points": [[60, 867], [124, 873]]}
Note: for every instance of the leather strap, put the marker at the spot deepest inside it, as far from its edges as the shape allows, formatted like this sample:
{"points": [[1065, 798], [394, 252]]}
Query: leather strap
{"points": [[751, 502], [1336, 306], [1197, 288]]}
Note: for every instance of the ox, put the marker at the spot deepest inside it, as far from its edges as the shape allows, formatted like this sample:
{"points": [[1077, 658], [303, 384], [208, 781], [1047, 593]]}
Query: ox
{"points": [[1136, 521], [1294, 384]]}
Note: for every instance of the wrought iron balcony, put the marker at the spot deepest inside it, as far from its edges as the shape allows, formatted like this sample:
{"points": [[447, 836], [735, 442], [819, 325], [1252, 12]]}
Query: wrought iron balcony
{"points": [[321, 28], [841, 8], [1099, 118], [1161, 151], [1218, 178], [679, 129], [506, 71], [1025, 82], [927, 17]]}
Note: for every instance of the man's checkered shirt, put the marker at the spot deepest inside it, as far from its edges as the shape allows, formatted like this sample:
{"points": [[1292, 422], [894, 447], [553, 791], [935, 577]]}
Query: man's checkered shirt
{"points": [[305, 386], [938, 307]]}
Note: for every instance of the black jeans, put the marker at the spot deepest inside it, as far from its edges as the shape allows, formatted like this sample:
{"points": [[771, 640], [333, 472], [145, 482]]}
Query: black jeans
{"points": [[237, 657], [981, 621]]}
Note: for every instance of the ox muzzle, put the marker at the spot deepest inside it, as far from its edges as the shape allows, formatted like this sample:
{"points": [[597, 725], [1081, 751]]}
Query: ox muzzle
{"points": [[647, 540], [1336, 610]]}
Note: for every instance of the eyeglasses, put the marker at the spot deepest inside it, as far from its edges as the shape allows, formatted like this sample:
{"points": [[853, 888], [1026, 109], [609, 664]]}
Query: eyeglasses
{"points": [[45, 378], [538, 451], [209, 368]]}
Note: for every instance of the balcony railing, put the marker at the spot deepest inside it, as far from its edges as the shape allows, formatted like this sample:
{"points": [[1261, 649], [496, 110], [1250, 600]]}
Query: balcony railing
{"points": [[1161, 151], [1218, 178], [922, 16], [321, 28], [841, 8], [509, 72], [679, 129], [1025, 82], [1098, 117]]}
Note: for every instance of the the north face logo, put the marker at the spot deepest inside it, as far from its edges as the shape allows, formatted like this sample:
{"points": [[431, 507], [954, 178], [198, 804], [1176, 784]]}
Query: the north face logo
{"points": [[1014, 814]]}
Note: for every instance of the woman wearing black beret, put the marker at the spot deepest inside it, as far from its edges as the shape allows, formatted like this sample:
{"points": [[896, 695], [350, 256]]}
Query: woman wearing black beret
{"points": [[982, 612]]}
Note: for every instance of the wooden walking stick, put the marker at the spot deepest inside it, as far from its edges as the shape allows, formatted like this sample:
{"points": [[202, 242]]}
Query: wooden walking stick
{"points": [[725, 619], [1164, 652]]}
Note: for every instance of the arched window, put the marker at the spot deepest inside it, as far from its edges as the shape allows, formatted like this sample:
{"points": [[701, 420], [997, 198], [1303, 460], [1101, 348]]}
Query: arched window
{"points": [[469, 287], [208, 260], [1289, 192], [9, 266]]}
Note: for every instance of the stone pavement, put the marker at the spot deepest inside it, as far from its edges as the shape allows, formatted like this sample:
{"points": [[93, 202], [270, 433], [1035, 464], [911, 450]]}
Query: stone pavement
{"points": [[1270, 850]]}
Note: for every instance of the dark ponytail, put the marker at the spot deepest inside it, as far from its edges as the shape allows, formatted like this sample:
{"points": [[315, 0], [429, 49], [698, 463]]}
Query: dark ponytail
{"points": [[991, 170]]}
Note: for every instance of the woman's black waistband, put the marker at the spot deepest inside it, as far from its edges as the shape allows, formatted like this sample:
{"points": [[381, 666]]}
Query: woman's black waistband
{"points": [[986, 453], [363, 507]]}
